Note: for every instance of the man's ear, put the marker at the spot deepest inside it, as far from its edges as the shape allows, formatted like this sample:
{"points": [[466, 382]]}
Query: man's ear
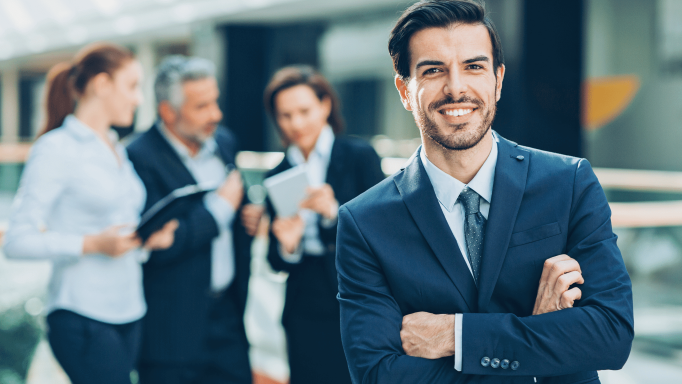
{"points": [[401, 85], [167, 113], [499, 77]]}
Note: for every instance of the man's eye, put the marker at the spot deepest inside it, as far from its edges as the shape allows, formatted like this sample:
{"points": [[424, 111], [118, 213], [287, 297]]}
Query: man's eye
{"points": [[475, 66], [432, 70]]}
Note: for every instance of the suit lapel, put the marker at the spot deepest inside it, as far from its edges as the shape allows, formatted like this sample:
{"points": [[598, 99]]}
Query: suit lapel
{"points": [[224, 149], [171, 161], [336, 162], [417, 192], [511, 172]]}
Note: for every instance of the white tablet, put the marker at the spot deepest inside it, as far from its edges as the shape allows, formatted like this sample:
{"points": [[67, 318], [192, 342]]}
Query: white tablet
{"points": [[287, 189]]}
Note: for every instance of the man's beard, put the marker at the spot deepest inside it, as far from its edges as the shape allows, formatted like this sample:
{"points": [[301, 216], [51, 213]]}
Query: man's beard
{"points": [[457, 141], [198, 138]]}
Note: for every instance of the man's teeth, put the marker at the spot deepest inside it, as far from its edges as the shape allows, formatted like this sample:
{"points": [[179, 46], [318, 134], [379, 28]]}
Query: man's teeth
{"points": [[458, 112]]}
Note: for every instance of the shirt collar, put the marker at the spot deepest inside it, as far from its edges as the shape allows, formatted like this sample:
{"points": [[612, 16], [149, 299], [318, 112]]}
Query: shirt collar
{"points": [[323, 148], [448, 188], [81, 131], [207, 149]]}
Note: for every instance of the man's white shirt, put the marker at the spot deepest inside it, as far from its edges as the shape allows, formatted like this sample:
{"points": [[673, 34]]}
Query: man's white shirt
{"points": [[209, 171], [447, 190]]}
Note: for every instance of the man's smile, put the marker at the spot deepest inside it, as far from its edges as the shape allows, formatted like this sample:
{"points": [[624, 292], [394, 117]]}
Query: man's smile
{"points": [[457, 115]]}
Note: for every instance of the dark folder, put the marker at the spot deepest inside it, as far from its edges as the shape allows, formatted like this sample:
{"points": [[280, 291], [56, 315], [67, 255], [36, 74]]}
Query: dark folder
{"points": [[170, 207]]}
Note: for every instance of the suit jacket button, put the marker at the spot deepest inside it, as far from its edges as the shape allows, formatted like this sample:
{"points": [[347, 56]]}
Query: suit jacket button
{"points": [[515, 365], [494, 363], [504, 364], [520, 158], [485, 361]]}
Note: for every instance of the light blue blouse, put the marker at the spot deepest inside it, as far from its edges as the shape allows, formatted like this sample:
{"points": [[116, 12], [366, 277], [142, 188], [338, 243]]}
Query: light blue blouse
{"points": [[73, 185]]}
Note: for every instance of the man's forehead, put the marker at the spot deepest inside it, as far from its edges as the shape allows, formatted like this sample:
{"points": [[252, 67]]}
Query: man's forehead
{"points": [[453, 40]]}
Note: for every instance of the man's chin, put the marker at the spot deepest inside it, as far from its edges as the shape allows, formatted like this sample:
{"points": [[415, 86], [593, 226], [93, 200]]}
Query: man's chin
{"points": [[457, 141]]}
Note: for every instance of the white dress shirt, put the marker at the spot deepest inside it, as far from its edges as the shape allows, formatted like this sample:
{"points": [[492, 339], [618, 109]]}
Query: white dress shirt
{"points": [[447, 190], [74, 185], [209, 171], [316, 169]]}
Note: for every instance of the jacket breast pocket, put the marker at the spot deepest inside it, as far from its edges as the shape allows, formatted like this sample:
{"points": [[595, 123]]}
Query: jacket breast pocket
{"points": [[534, 234]]}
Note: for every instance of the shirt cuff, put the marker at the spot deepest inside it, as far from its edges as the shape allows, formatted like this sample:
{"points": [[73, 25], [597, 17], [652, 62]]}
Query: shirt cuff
{"points": [[329, 223], [458, 341], [69, 246], [292, 258], [221, 210]]}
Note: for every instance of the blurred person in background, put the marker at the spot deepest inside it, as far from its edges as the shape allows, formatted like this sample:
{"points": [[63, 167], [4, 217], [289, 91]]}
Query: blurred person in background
{"points": [[306, 111], [196, 290], [77, 205]]}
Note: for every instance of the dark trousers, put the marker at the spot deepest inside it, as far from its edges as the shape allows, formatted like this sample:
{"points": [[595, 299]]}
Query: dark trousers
{"points": [[225, 359], [91, 351], [312, 325]]}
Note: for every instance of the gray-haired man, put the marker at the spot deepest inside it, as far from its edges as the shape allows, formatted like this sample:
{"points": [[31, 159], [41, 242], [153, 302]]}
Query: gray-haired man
{"points": [[195, 290]]}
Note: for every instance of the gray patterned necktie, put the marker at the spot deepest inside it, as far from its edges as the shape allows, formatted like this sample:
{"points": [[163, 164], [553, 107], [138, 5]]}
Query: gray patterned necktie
{"points": [[474, 228]]}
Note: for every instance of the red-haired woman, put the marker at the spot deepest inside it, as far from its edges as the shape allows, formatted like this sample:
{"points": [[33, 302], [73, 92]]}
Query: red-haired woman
{"points": [[77, 204], [306, 112]]}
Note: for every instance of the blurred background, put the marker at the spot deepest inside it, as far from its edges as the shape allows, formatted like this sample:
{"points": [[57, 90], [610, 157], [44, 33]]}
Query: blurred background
{"points": [[601, 79]]}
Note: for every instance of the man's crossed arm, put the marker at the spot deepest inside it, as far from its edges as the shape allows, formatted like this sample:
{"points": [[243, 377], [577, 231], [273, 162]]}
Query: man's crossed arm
{"points": [[433, 336]]}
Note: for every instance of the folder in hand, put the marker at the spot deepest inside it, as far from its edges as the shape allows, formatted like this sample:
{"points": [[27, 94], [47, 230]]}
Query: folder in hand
{"points": [[287, 190], [172, 206]]}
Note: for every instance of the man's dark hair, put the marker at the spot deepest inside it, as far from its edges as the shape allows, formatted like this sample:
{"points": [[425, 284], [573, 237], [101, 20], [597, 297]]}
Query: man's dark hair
{"points": [[439, 14]]}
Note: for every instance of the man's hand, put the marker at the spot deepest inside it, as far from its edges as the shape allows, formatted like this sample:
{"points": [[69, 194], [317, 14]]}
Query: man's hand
{"points": [[232, 189], [322, 201], [289, 232], [427, 335], [558, 274], [163, 238], [251, 215]]}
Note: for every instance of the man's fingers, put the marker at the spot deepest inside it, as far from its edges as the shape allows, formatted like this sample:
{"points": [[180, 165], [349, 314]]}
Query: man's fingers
{"points": [[171, 226], [561, 268], [566, 280], [549, 264], [569, 297]]}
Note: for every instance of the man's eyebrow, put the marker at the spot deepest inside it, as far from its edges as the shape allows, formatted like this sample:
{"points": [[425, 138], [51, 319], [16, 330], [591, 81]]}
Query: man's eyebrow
{"points": [[477, 59], [428, 62]]}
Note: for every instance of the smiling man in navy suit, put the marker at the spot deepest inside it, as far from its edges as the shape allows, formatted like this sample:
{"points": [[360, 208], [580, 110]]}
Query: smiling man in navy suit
{"points": [[463, 266]]}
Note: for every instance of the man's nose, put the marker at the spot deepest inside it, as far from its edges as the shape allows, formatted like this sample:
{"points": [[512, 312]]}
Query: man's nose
{"points": [[217, 114], [456, 84]]}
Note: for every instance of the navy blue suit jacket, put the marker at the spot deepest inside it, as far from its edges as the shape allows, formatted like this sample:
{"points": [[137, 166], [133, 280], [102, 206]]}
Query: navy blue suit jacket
{"points": [[177, 281], [396, 255]]}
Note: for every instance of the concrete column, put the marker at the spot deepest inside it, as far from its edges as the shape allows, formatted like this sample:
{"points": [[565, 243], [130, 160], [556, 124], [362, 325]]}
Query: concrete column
{"points": [[146, 113], [10, 104], [209, 42]]}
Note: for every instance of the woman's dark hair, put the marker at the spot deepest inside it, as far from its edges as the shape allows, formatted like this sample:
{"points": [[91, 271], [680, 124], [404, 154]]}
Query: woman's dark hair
{"points": [[292, 76], [439, 14], [67, 81]]}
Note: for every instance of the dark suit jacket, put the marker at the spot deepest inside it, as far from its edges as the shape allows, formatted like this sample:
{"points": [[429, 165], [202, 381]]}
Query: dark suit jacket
{"points": [[396, 255], [177, 280], [354, 167]]}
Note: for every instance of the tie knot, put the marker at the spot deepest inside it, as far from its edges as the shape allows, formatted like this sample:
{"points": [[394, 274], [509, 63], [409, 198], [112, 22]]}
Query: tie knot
{"points": [[471, 201]]}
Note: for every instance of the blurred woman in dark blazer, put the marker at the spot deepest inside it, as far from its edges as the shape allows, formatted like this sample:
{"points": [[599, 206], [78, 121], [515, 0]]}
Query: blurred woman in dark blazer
{"points": [[305, 109]]}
